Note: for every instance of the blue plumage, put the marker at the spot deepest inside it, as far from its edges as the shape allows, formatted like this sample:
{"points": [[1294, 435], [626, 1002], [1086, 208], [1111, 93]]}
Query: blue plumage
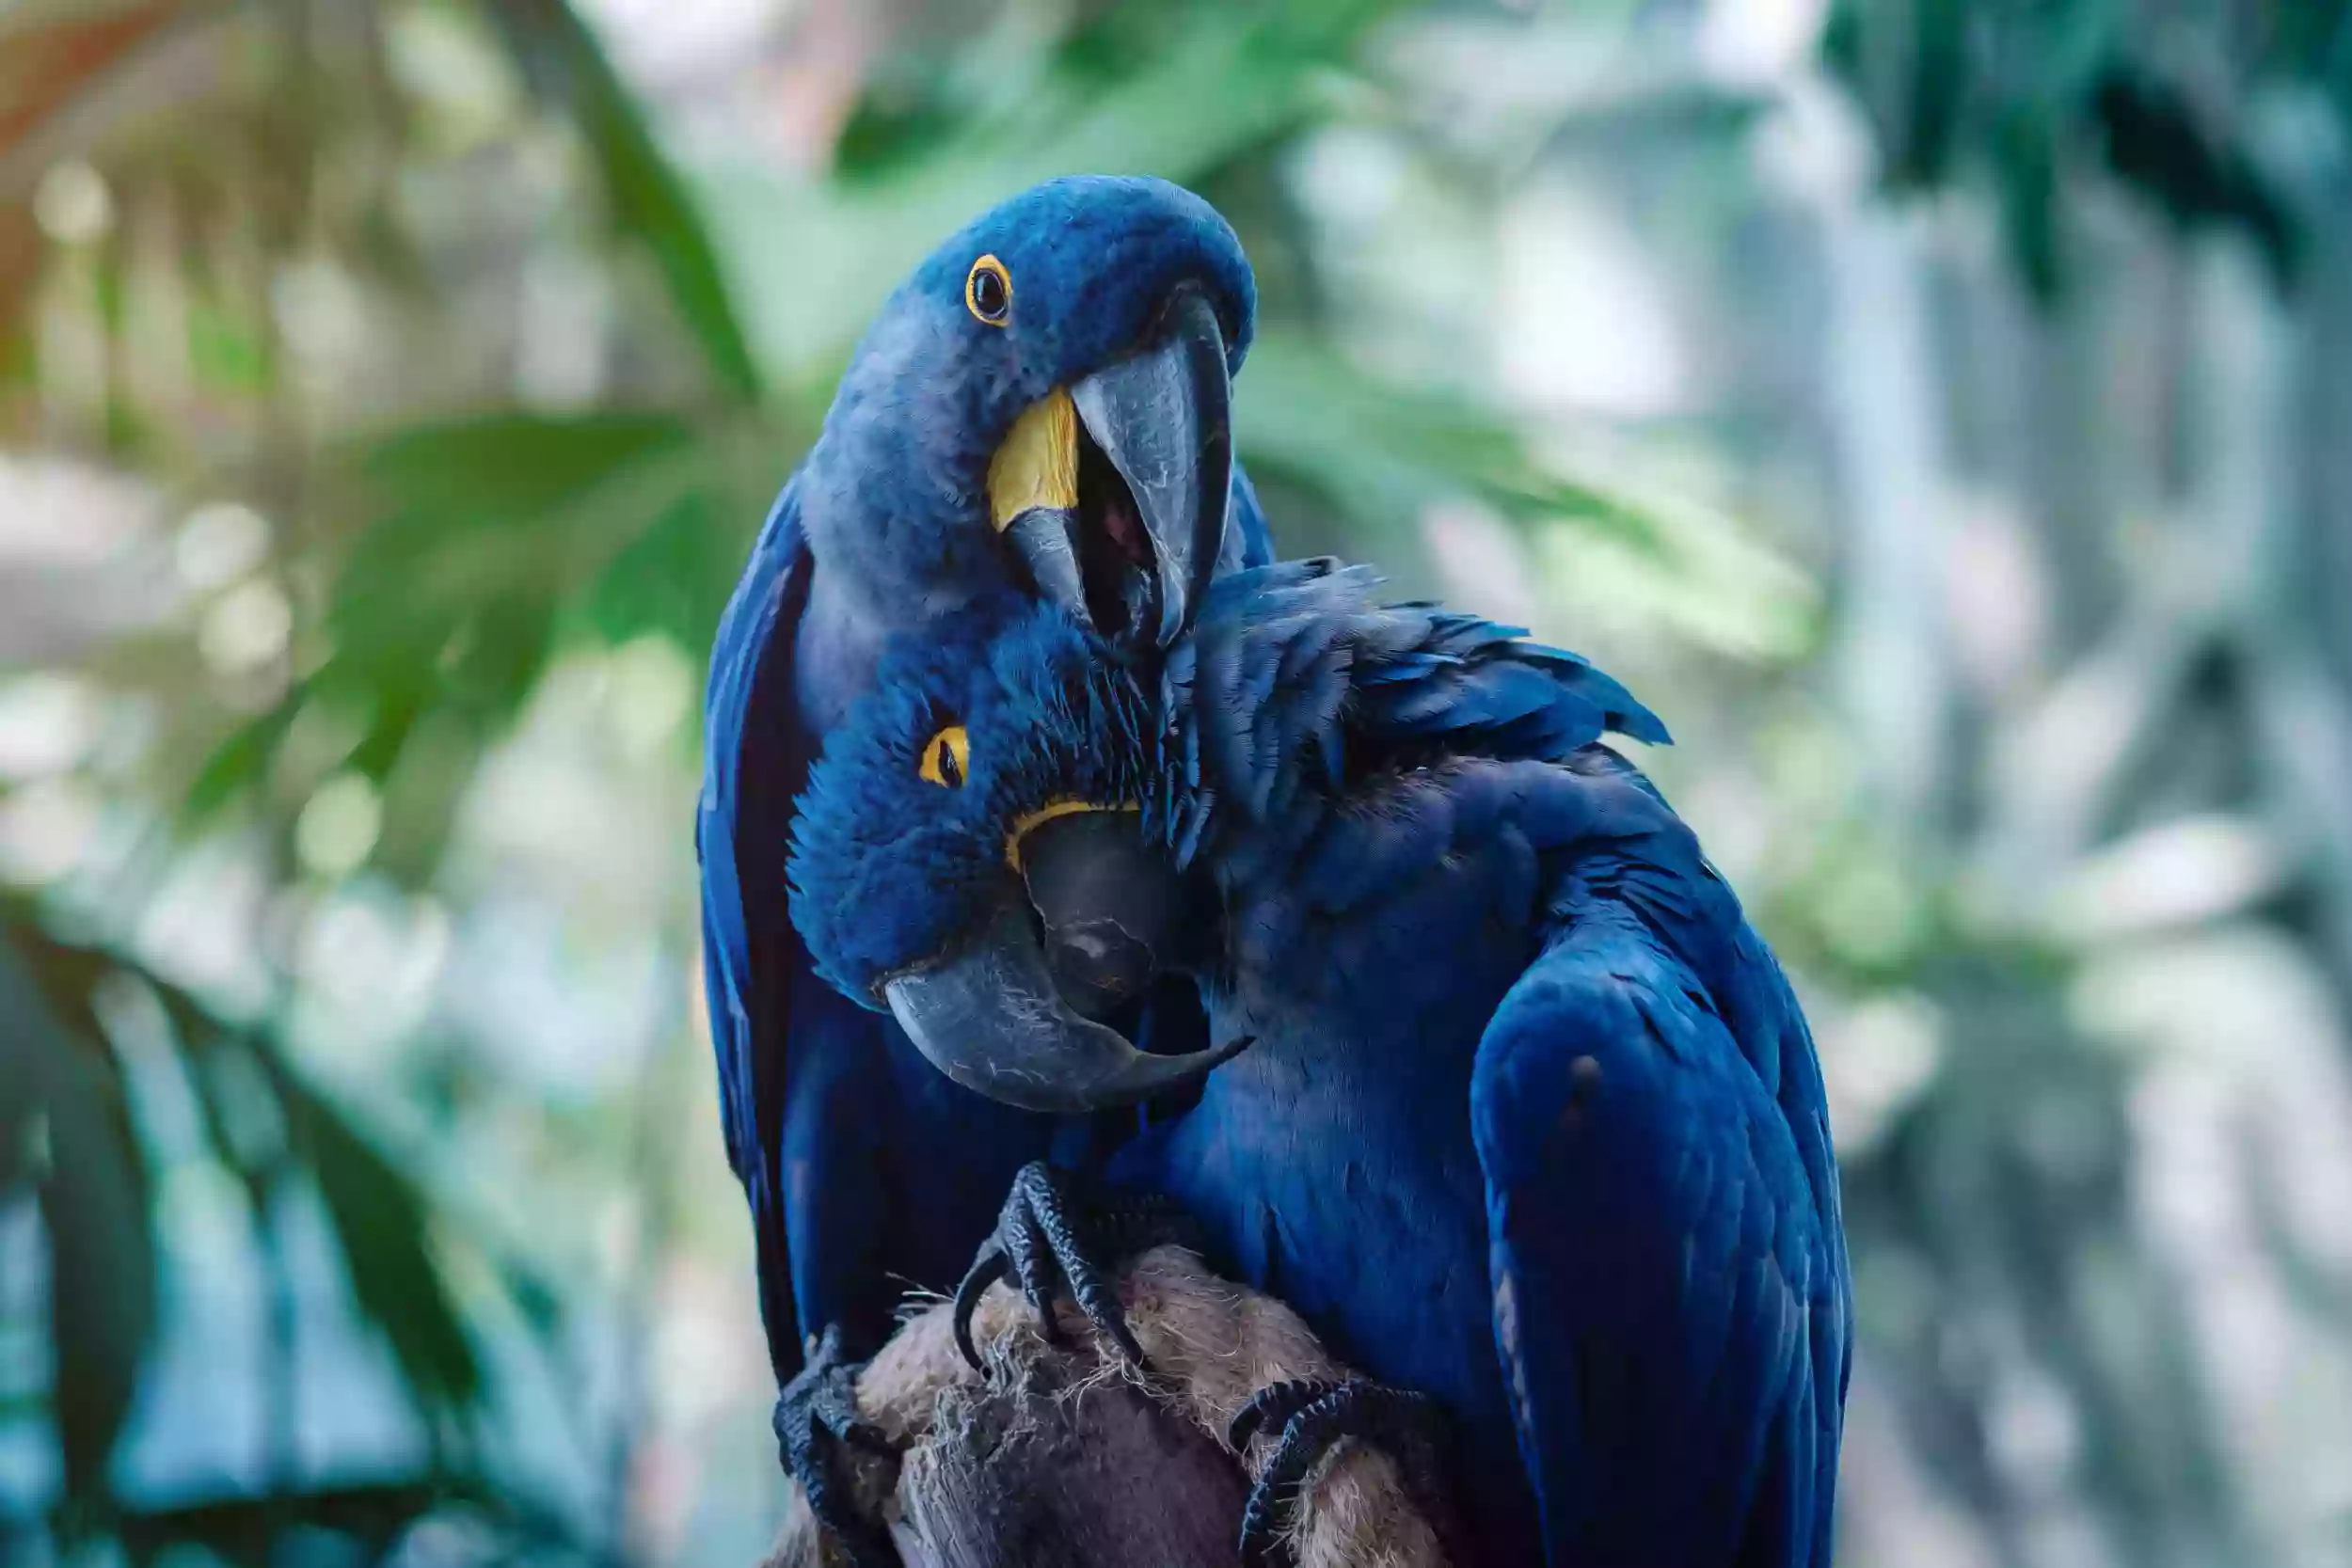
{"points": [[900, 860], [1532, 1122], [865, 1170]]}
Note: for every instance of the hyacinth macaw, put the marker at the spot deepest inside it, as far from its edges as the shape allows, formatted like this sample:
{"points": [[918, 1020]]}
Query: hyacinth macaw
{"points": [[1039, 409], [1507, 1099]]}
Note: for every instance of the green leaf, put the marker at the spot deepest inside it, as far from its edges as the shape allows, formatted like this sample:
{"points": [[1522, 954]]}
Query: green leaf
{"points": [[92, 1193], [382, 1225], [102, 1277], [236, 764], [563, 62], [1219, 84], [674, 577], [249, 1529], [20, 1092], [2033, 215], [502, 466], [1384, 452], [381, 1217], [478, 533]]}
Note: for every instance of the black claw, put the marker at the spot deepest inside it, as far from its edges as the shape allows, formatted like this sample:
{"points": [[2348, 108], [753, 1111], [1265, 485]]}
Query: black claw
{"points": [[1053, 1236], [1272, 1407], [987, 1269], [1033, 1248], [1314, 1417], [815, 1416]]}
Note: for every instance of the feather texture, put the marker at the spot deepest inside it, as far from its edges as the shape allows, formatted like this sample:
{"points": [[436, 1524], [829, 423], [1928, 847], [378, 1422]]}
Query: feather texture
{"points": [[1297, 677], [864, 1171], [1532, 1122]]}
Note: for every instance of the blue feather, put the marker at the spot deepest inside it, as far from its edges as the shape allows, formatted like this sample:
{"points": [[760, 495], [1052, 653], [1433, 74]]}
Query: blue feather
{"points": [[1532, 1122], [883, 533]]}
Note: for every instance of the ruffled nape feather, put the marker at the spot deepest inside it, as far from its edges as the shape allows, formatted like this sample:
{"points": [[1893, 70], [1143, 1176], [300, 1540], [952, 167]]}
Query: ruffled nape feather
{"points": [[1294, 678]]}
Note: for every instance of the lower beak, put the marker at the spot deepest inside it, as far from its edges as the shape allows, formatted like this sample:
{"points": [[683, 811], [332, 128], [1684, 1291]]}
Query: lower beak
{"points": [[1115, 491], [990, 1018]]}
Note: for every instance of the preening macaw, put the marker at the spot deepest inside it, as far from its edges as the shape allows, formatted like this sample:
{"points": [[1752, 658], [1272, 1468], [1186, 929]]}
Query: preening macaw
{"points": [[1508, 1100], [1041, 409]]}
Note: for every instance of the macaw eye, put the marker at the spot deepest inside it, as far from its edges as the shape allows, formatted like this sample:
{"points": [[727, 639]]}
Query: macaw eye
{"points": [[987, 291], [947, 757]]}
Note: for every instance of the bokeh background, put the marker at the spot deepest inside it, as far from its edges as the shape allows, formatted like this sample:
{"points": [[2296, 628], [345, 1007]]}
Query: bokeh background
{"points": [[1941, 412]]}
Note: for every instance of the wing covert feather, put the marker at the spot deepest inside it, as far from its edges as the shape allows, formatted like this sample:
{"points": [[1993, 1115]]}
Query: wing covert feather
{"points": [[1672, 1307]]}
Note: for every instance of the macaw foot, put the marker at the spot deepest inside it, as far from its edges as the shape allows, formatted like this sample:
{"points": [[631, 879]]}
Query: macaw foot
{"points": [[1314, 1415], [816, 1424], [1056, 1231]]}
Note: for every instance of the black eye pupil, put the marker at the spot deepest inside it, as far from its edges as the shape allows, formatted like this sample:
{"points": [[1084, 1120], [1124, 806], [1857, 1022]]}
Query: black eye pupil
{"points": [[988, 294], [949, 768]]}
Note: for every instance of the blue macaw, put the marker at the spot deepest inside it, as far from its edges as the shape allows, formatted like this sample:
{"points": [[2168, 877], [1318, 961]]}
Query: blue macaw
{"points": [[1040, 408], [1514, 1105]]}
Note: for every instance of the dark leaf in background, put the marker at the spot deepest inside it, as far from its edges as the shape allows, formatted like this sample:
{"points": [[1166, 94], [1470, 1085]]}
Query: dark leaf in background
{"points": [[92, 1191], [2010, 93], [563, 63], [1383, 453], [383, 1225], [249, 1530], [2157, 143], [20, 1094], [381, 1219], [102, 1275], [2026, 182]]}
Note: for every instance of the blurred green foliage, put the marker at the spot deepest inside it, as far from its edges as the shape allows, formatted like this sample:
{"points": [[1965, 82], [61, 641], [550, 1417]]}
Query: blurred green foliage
{"points": [[438, 545], [2183, 115], [442, 374]]}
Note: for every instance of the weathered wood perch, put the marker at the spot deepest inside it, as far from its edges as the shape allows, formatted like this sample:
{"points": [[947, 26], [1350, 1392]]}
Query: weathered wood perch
{"points": [[1063, 1459]]}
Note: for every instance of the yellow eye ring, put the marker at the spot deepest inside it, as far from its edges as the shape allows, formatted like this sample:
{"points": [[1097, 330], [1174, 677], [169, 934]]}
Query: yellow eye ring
{"points": [[947, 757], [988, 292]]}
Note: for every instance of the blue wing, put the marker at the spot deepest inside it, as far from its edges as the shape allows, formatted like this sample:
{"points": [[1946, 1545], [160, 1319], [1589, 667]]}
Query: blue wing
{"points": [[1297, 677], [754, 756], [1672, 1305], [820, 1099]]}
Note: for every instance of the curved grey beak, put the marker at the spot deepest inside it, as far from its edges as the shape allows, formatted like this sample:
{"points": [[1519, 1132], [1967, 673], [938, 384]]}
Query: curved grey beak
{"points": [[1120, 512], [990, 1018]]}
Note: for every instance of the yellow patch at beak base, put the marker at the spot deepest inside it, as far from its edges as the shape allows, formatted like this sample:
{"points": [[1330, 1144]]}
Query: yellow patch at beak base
{"points": [[1044, 814], [1037, 464]]}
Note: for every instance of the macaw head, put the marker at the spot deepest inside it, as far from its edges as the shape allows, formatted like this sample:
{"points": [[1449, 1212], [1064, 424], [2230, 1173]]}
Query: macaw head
{"points": [[981, 851], [1019, 828], [1043, 405]]}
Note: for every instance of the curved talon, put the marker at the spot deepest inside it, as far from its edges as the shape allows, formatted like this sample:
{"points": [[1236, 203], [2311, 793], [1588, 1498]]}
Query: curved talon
{"points": [[1272, 1407], [987, 1269], [1050, 1239], [1316, 1416], [814, 1417]]}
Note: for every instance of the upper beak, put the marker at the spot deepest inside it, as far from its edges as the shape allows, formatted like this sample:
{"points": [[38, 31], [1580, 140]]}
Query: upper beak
{"points": [[1115, 490], [1010, 1011], [990, 1017]]}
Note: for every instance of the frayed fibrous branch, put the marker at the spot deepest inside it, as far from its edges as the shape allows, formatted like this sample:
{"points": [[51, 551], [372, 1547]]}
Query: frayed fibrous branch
{"points": [[1062, 1457]]}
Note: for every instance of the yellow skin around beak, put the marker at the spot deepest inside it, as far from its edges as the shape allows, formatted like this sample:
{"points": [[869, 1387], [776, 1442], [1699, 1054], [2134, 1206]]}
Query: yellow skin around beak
{"points": [[1031, 822], [1037, 465]]}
